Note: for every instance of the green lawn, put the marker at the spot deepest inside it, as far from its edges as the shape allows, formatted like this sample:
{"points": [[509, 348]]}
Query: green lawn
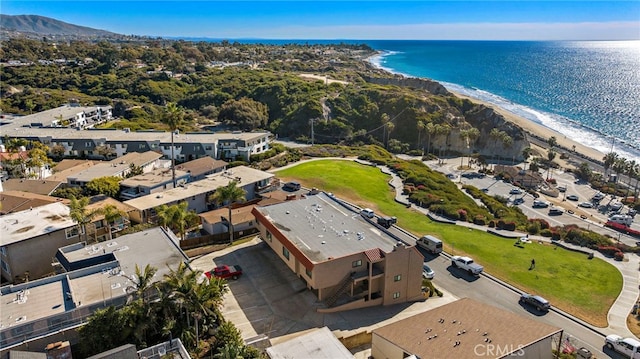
{"points": [[583, 287]]}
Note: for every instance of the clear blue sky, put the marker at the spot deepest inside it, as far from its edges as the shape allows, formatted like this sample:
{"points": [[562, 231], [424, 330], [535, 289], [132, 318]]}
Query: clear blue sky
{"points": [[471, 20]]}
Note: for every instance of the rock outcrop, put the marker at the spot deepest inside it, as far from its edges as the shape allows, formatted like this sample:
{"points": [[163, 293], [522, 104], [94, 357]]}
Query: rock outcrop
{"points": [[430, 86]]}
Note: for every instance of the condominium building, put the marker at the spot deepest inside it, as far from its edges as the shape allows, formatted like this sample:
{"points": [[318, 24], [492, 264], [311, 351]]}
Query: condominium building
{"points": [[347, 260]]}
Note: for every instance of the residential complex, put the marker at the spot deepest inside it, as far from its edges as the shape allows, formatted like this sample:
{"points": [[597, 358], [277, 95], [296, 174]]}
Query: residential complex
{"points": [[346, 260], [36, 313]]}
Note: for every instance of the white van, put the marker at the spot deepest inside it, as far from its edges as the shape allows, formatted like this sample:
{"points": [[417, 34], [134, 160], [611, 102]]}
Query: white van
{"points": [[432, 244], [622, 219], [367, 212]]}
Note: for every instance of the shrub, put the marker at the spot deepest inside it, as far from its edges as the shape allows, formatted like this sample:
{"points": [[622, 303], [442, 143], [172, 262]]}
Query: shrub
{"points": [[618, 256], [608, 251], [492, 224], [479, 220], [546, 233], [510, 226], [462, 214]]}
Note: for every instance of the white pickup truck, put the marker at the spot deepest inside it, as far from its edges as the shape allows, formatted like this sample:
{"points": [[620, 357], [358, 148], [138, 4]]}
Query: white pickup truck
{"points": [[466, 263]]}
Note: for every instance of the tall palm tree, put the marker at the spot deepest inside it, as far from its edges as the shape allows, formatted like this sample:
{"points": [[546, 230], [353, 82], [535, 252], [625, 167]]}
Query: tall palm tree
{"points": [[390, 126], [384, 118], [632, 172], [173, 117], [111, 214], [526, 153], [81, 215], [431, 130], [551, 155], [228, 194], [420, 126], [552, 142], [143, 281], [609, 159]]}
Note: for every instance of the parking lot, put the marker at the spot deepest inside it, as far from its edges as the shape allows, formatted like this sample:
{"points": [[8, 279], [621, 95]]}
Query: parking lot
{"points": [[572, 211], [269, 301]]}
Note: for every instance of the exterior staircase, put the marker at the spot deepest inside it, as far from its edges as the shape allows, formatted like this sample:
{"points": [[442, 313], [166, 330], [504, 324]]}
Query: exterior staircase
{"points": [[342, 287]]}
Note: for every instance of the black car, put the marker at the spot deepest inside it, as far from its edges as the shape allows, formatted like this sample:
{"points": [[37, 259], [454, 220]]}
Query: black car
{"points": [[291, 186], [535, 301]]}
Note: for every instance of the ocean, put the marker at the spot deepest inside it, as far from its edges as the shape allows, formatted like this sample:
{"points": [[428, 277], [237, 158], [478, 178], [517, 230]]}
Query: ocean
{"points": [[586, 90]]}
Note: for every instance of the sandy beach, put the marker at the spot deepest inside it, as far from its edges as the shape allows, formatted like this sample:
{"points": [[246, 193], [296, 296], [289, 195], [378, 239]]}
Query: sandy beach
{"points": [[542, 132]]}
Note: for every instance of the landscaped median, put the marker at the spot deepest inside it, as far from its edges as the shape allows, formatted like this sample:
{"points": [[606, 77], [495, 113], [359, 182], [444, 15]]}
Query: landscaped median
{"points": [[580, 286]]}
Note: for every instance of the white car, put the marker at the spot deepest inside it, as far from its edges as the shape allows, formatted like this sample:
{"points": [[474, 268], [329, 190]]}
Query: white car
{"points": [[515, 191], [367, 212], [598, 196], [540, 204], [627, 346], [585, 204], [615, 206], [573, 197], [427, 272]]}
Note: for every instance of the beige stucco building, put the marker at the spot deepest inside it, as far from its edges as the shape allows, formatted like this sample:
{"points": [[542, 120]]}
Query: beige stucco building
{"points": [[346, 260], [464, 329]]}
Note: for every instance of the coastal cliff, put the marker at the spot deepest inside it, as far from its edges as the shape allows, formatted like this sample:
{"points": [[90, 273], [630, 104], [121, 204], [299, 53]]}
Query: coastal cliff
{"points": [[430, 86]]}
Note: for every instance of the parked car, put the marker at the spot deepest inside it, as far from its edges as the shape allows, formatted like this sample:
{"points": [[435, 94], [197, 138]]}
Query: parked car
{"points": [[535, 301], [585, 204], [427, 272], [562, 189], [367, 212], [467, 264], [627, 346], [518, 200], [598, 196], [515, 191], [555, 212], [387, 222], [540, 204], [291, 186], [573, 197], [615, 206], [225, 272]]}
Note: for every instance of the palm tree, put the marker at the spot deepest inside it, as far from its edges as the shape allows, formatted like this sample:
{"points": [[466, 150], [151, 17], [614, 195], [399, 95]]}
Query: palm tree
{"points": [[111, 214], [632, 172], [177, 217], [228, 194], [431, 130], [551, 155], [143, 281], [173, 117], [609, 159], [384, 118], [552, 142], [420, 125], [81, 215], [444, 130], [390, 126]]}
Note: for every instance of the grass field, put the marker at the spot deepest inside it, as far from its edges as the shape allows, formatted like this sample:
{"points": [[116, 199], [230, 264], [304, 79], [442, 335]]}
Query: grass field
{"points": [[583, 287]]}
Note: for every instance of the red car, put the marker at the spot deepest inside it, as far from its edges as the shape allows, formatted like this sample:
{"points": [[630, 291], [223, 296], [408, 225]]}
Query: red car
{"points": [[225, 272]]}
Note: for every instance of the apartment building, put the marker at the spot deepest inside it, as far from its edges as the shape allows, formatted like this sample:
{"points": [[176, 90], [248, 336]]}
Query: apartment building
{"points": [[348, 261]]}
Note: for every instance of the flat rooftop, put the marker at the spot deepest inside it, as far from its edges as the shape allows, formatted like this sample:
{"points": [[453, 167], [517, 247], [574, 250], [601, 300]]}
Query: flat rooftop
{"points": [[47, 117], [92, 285], [34, 222], [242, 174], [322, 228], [152, 178], [61, 133], [317, 344]]}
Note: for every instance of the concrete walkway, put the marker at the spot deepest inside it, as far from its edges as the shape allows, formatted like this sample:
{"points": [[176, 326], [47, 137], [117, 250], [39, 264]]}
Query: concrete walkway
{"points": [[621, 308]]}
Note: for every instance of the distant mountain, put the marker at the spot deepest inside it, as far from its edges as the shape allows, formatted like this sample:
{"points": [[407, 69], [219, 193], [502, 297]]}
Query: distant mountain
{"points": [[44, 26]]}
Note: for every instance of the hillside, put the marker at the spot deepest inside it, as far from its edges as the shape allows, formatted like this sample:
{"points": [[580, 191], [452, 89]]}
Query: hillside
{"points": [[39, 26]]}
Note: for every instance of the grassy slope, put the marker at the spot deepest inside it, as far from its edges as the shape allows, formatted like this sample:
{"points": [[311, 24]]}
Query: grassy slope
{"points": [[585, 288]]}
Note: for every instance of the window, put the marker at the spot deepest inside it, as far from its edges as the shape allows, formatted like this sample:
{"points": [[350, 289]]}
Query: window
{"points": [[99, 224], [397, 278], [285, 252], [308, 272], [3, 250], [269, 237], [396, 295], [71, 232], [207, 148], [357, 263]]}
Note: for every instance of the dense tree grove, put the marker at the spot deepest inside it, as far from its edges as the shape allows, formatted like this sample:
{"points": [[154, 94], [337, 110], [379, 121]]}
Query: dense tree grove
{"points": [[243, 86]]}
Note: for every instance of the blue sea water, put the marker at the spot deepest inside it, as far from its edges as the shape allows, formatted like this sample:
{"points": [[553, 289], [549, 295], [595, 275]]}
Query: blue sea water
{"points": [[585, 90]]}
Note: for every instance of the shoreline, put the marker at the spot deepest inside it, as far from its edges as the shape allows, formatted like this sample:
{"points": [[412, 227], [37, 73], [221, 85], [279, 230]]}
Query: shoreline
{"points": [[530, 127], [542, 132]]}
